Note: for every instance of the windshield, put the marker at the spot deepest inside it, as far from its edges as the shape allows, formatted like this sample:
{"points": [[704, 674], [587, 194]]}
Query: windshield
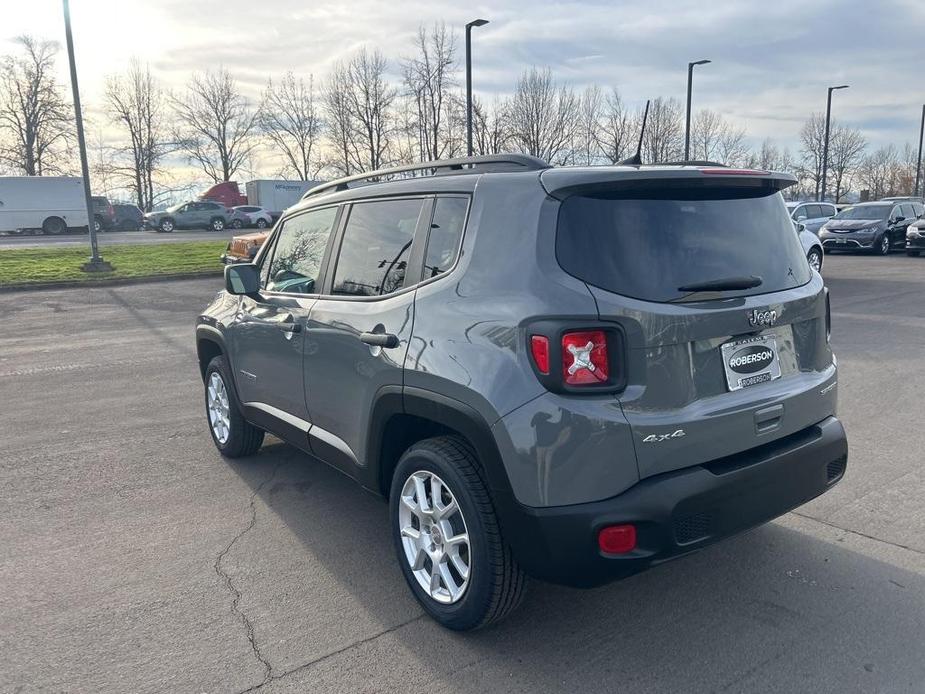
{"points": [[865, 212], [650, 248]]}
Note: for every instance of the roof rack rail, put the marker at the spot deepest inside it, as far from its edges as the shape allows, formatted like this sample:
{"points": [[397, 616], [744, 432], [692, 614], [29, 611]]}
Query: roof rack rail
{"points": [[693, 162], [444, 167]]}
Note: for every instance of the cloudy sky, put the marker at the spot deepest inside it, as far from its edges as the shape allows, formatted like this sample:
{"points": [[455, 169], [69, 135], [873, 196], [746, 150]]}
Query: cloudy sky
{"points": [[772, 60]]}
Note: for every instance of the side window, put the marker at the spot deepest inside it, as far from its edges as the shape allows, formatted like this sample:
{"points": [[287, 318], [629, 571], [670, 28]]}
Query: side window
{"points": [[896, 212], [375, 249], [813, 211], [907, 211], [300, 245], [829, 211], [801, 211], [446, 231]]}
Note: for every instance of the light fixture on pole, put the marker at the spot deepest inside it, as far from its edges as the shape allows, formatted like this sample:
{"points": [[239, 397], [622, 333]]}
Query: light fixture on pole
{"points": [[825, 145], [687, 128], [473, 23]]}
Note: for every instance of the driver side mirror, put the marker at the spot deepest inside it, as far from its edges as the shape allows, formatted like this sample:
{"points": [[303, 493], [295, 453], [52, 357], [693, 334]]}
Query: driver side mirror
{"points": [[243, 278], [899, 219], [801, 226]]}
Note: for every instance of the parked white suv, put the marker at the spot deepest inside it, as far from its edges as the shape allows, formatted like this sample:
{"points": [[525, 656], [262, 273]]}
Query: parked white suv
{"points": [[811, 215], [258, 216]]}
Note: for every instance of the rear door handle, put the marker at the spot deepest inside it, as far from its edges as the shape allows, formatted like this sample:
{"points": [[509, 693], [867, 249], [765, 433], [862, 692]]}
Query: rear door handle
{"points": [[387, 340]]}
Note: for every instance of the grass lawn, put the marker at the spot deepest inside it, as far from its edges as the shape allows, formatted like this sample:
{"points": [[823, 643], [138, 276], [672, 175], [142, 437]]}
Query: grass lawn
{"points": [[24, 266]]}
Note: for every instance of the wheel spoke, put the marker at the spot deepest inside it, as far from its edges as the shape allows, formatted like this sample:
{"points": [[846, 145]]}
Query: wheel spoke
{"points": [[411, 533], [448, 580], [423, 501], [419, 560], [434, 579], [460, 564]]}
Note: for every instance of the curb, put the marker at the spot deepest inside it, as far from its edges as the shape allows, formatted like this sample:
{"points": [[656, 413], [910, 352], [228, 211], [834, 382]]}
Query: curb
{"points": [[74, 284]]}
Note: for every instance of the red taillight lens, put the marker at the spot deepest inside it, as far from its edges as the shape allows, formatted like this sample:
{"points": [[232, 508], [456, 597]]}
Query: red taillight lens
{"points": [[584, 358], [539, 348], [617, 539]]}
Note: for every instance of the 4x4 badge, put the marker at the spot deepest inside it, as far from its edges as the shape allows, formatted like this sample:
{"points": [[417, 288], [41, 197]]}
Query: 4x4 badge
{"points": [[757, 318], [655, 438]]}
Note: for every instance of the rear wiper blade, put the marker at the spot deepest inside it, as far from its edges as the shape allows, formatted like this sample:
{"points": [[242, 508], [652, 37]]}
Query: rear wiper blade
{"points": [[723, 284]]}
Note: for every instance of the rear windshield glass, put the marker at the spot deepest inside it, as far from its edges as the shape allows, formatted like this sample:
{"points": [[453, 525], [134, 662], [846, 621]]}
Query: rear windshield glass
{"points": [[865, 212], [648, 247]]}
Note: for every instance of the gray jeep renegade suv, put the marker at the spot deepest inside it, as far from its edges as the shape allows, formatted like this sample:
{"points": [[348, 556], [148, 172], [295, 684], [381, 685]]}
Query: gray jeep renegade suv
{"points": [[567, 373]]}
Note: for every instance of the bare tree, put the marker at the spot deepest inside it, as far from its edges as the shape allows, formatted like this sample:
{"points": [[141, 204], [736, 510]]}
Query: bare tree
{"points": [[370, 100], [490, 132], [543, 117], [588, 128], [358, 103], [34, 115], [618, 133], [216, 124], [713, 138], [428, 78], [135, 101], [846, 150], [878, 172], [812, 142], [664, 137], [291, 122], [341, 124]]}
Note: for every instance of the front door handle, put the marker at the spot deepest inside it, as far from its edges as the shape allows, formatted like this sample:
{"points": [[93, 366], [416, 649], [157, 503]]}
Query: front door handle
{"points": [[387, 340]]}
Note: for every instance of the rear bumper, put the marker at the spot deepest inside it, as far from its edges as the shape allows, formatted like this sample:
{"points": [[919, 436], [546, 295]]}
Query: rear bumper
{"points": [[679, 512]]}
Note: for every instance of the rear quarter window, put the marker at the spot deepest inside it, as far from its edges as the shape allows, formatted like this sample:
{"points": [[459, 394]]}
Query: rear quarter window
{"points": [[648, 246]]}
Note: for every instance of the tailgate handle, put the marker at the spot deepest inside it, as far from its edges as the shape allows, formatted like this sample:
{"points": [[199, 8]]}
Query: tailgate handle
{"points": [[768, 419]]}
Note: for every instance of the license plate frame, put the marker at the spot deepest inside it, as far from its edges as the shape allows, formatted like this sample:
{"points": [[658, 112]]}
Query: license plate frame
{"points": [[747, 358]]}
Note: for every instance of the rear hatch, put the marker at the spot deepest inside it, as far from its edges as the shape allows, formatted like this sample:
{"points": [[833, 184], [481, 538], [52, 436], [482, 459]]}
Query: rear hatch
{"points": [[724, 323]]}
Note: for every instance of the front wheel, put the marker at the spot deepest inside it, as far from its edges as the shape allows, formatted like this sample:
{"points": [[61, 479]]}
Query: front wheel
{"points": [[447, 539], [97, 225], [232, 435], [54, 226], [166, 225], [237, 224], [883, 246], [261, 224], [217, 224], [814, 257]]}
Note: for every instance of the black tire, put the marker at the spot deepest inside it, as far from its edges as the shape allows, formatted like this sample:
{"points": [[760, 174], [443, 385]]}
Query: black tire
{"points": [[217, 224], [883, 245], [913, 254], [98, 224], [243, 437], [237, 224], [54, 225], [496, 584], [261, 224], [167, 224]]}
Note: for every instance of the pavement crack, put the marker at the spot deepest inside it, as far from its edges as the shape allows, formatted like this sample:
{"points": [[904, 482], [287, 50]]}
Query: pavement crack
{"points": [[236, 594], [326, 656], [860, 534]]}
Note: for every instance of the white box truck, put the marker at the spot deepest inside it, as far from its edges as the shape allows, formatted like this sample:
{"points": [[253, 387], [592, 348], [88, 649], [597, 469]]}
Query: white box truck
{"points": [[53, 204], [276, 196]]}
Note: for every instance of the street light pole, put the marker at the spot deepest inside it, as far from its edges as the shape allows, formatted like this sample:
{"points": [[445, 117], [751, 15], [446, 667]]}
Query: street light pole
{"points": [[474, 23], [918, 162], [96, 262], [687, 128], [825, 145]]}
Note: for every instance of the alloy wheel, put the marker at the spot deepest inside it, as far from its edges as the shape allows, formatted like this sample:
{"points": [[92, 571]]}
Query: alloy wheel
{"points": [[815, 260], [885, 245], [219, 408], [434, 537]]}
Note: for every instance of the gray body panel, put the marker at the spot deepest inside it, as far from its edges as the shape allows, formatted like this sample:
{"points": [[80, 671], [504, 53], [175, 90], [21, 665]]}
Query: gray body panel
{"points": [[464, 335]]}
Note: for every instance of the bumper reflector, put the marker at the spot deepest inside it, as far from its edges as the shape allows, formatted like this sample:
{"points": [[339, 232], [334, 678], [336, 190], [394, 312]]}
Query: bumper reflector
{"points": [[617, 539]]}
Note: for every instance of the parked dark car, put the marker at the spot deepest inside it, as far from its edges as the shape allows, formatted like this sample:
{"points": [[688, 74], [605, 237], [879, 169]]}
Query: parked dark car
{"points": [[573, 373], [877, 227], [103, 213], [915, 238], [128, 218]]}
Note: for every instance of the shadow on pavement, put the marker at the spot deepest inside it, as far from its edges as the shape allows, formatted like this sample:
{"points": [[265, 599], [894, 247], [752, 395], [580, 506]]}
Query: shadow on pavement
{"points": [[772, 610]]}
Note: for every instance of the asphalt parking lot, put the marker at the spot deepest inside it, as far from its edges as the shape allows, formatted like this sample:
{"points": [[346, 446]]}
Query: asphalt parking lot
{"points": [[134, 558], [117, 237]]}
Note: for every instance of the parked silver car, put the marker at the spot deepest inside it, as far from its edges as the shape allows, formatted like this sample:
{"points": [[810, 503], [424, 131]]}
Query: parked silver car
{"points": [[812, 215]]}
